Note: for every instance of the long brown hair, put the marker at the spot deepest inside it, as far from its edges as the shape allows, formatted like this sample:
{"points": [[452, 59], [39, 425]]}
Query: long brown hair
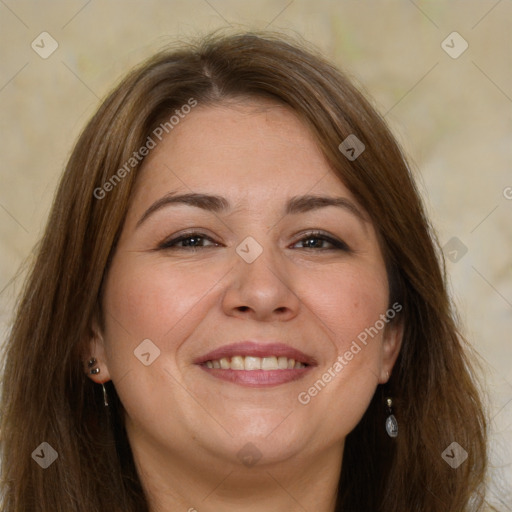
{"points": [[48, 398]]}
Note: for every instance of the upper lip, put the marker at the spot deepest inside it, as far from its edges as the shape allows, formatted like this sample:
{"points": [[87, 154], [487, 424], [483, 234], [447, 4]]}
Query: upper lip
{"points": [[256, 349]]}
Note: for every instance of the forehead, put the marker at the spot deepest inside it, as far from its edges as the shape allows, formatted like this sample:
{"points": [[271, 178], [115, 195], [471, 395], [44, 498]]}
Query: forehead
{"points": [[245, 148]]}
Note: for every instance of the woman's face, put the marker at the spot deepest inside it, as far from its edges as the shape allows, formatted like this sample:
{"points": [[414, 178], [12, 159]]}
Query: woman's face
{"points": [[242, 249]]}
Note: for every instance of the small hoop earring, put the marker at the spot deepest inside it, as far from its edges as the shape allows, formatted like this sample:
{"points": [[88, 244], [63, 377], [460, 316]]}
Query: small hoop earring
{"points": [[391, 423]]}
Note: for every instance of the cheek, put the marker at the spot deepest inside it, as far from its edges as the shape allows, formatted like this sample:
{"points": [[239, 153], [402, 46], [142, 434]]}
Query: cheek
{"points": [[348, 305], [149, 301], [347, 302]]}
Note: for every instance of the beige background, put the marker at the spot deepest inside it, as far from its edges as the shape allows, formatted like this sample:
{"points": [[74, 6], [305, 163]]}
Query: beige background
{"points": [[452, 115]]}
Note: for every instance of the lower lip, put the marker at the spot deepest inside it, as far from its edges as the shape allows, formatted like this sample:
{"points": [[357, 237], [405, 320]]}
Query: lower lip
{"points": [[257, 378]]}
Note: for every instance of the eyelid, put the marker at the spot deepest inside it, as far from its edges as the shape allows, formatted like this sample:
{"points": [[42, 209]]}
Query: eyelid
{"points": [[174, 239], [178, 237], [335, 241]]}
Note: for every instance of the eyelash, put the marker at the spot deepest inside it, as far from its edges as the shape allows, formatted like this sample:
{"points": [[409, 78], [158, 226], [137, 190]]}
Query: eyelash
{"points": [[318, 235]]}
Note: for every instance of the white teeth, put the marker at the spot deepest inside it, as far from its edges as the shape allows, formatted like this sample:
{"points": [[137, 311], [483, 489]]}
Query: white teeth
{"points": [[269, 363], [255, 363], [252, 363], [237, 363], [282, 362]]}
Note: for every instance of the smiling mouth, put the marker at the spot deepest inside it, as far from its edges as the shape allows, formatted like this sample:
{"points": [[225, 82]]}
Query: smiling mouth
{"points": [[252, 363], [256, 372], [256, 364]]}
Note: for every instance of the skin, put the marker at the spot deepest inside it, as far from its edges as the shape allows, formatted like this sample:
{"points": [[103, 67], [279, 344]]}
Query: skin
{"points": [[187, 428]]}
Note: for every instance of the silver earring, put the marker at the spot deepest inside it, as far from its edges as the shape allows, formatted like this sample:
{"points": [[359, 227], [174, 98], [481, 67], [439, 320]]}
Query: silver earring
{"points": [[105, 396], [391, 423], [90, 364]]}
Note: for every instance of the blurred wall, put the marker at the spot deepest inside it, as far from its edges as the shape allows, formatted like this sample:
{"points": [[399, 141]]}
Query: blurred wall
{"points": [[450, 106]]}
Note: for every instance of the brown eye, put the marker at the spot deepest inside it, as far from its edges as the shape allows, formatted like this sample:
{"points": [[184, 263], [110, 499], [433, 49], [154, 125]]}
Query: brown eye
{"points": [[322, 242], [190, 241]]}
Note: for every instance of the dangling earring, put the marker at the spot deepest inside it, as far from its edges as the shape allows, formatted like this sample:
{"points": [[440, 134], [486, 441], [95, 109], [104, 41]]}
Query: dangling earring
{"points": [[95, 371], [105, 396], [391, 423]]}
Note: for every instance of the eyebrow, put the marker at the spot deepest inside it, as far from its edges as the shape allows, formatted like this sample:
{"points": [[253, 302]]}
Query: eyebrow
{"points": [[218, 204]]}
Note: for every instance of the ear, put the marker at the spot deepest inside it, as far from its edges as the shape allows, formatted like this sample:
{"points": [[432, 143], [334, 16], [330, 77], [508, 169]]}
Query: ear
{"points": [[94, 359], [391, 344]]}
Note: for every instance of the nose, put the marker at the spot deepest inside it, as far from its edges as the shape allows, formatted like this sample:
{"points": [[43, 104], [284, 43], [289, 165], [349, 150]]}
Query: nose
{"points": [[261, 290]]}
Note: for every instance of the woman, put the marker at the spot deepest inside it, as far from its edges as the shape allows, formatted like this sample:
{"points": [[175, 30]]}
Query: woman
{"points": [[238, 305]]}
